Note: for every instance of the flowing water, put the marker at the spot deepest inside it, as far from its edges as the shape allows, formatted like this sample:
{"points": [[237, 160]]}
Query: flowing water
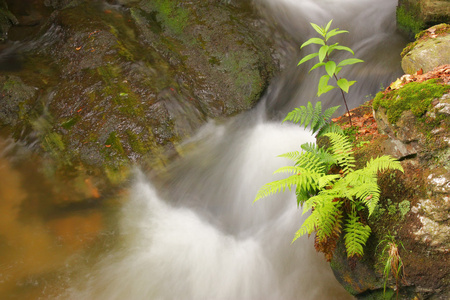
{"points": [[194, 233]]}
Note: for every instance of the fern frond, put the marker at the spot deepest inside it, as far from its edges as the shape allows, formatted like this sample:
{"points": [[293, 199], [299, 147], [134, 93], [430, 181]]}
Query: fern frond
{"points": [[324, 156], [312, 162], [311, 116], [326, 180], [298, 115], [308, 226], [303, 179], [290, 170], [356, 235], [323, 219], [275, 187], [342, 151], [382, 163], [330, 127], [329, 112], [293, 156], [323, 121], [303, 194]]}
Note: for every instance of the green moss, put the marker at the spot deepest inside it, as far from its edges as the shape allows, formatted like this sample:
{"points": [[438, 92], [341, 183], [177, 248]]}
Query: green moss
{"points": [[136, 144], [119, 91], [172, 15], [113, 142], [52, 142], [70, 123], [246, 77], [408, 20], [414, 96], [438, 30]]}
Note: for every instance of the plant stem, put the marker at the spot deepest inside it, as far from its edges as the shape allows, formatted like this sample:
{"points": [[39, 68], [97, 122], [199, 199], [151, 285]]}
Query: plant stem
{"points": [[343, 95], [345, 102]]}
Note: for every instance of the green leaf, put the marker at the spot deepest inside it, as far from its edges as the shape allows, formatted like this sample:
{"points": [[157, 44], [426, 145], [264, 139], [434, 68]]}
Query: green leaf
{"points": [[345, 49], [323, 52], [333, 33], [331, 48], [349, 61], [338, 69], [328, 26], [307, 57], [317, 65], [323, 85], [330, 67], [343, 84], [313, 41], [318, 29]]}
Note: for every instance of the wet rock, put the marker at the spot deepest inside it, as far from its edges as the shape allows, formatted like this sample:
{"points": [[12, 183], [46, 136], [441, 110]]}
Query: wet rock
{"points": [[120, 81], [7, 19], [413, 210], [429, 51], [416, 15]]}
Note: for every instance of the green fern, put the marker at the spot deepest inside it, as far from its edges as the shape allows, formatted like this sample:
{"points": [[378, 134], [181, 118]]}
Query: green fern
{"points": [[325, 194], [313, 117], [356, 235]]}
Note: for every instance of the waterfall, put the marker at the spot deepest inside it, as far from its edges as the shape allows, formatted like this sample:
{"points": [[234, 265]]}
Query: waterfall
{"points": [[196, 233]]}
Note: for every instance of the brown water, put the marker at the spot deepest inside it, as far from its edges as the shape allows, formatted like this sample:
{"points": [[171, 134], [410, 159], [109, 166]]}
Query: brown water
{"points": [[43, 231]]}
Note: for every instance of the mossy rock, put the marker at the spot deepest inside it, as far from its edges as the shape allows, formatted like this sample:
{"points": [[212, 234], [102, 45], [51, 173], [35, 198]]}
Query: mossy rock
{"points": [[431, 49], [416, 15], [125, 84]]}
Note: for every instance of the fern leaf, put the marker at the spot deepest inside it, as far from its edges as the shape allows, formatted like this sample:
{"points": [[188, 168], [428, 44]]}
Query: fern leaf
{"points": [[308, 226], [324, 156], [329, 112], [275, 187], [294, 115], [342, 151], [290, 170], [317, 120], [315, 162], [330, 127], [294, 156], [310, 114], [383, 163], [356, 236], [326, 180], [302, 194], [302, 178]]}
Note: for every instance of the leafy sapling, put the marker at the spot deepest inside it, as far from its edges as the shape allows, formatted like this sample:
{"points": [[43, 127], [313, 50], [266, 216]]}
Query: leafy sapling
{"points": [[332, 68]]}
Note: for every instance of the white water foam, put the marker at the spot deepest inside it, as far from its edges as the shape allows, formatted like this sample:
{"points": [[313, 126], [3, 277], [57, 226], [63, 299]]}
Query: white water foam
{"points": [[172, 252]]}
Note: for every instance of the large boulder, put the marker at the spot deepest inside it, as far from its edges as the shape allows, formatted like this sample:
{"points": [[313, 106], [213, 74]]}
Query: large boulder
{"points": [[431, 49], [413, 212], [105, 83], [416, 15]]}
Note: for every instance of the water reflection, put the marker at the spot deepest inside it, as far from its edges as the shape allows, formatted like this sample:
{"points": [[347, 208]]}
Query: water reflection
{"points": [[37, 234]]}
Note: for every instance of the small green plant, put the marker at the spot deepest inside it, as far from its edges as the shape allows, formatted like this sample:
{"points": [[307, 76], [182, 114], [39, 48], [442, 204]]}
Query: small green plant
{"points": [[404, 207], [331, 67], [394, 263], [331, 197]]}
